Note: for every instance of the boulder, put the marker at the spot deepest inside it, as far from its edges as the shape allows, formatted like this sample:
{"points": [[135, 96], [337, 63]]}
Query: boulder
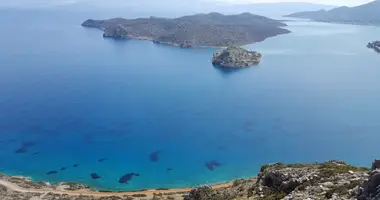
{"points": [[199, 193], [370, 189]]}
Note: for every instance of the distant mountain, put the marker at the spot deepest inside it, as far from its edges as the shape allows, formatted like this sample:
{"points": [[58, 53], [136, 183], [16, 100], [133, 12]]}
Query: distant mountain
{"points": [[367, 14], [165, 8], [271, 9], [213, 29]]}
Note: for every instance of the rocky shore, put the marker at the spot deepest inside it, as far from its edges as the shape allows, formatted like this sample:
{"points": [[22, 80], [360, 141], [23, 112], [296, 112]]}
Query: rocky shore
{"points": [[375, 45], [330, 180], [236, 57]]}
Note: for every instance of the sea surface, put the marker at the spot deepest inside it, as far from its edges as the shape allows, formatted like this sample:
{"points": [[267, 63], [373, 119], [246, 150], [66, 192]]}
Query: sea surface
{"points": [[69, 97]]}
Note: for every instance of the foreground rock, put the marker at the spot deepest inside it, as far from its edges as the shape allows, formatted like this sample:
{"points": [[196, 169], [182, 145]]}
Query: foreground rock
{"points": [[236, 57], [331, 180], [374, 45], [213, 29], [318, 181]]}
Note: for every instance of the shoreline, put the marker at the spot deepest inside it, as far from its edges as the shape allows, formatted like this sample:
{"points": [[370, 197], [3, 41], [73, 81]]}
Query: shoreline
{"points": [[65, 188], [274, 181], [157, 42]]}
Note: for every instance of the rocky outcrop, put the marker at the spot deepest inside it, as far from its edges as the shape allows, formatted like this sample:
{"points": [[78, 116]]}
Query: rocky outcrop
{"points": [[370, 190], [375, 45], [236, 57], [331, 180], [213, 29]]}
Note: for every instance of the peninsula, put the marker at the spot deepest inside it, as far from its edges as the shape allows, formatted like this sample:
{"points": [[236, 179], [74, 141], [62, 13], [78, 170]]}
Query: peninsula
{"points": [[236, 57], [200, 30], [375, 45], [329, 180], [366, 14]]}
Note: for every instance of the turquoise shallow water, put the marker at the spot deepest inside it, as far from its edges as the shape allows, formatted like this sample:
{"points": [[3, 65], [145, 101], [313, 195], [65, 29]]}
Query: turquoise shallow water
{"points": [[68, 96]]}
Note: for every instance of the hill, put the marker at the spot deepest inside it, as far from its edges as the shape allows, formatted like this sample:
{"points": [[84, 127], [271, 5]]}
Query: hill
{"points": [[213, 29], [367, 14]]}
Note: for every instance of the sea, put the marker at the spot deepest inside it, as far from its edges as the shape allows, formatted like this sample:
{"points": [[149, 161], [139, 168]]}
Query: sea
{"points": [[73, 104]]}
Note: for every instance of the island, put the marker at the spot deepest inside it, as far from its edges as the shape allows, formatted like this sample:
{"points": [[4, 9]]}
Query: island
{"points": [[375, 45], [329, 180], [236, 57], [200, 30], [366, 14]]}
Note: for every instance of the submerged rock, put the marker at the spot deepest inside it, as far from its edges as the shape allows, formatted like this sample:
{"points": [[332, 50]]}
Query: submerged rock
{"points": [[21, 150], [154, 156], [52, 172], [212, 165], [126, 178], [24, 147], [236, 57], [95, 176], [102, 160], [63, 168]]}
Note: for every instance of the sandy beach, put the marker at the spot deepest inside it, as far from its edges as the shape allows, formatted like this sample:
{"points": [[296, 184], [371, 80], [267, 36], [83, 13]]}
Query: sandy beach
{"points": [[87, 192]]}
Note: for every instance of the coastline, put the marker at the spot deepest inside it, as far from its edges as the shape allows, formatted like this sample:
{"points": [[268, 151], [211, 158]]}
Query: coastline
{"points": [[76, 189], [157, 42], [329, 180]]}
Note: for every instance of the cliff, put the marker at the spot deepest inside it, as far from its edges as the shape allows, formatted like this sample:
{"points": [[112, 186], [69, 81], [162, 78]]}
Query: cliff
{"points": [[211, 29]]}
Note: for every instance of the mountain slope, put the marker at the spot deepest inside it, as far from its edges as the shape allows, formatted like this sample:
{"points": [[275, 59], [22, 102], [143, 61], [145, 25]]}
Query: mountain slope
{"points": [[367, 14]]}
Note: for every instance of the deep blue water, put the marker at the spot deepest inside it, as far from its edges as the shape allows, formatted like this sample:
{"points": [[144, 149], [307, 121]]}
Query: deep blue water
{"points": [[71, 97]]}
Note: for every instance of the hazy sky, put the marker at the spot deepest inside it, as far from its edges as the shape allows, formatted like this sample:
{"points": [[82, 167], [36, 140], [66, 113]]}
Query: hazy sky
{"points": [[44, 3]]}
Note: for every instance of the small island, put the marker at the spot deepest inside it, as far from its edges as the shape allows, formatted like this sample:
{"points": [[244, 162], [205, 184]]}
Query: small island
{"points": [[374, 45], [236, 57], [200, 30]]}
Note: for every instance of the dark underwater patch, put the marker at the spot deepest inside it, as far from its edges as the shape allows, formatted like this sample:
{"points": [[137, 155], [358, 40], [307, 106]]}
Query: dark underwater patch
{"points": [[63, 168], [28, 144], [212, 165], [102, 160], [36, 153], [169, 169], [154, 156], [24, 147], [52, 172], [248, 126], [21, 150], [75, 165], [95, 176], [221, 148], [126, 178]]}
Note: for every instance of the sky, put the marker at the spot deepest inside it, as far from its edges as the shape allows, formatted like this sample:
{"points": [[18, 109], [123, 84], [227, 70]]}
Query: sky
{"points": [[50, 3]]}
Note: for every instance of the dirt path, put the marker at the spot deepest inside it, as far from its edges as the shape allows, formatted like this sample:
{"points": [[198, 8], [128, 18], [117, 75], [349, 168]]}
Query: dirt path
{"points": [[15, 187]]}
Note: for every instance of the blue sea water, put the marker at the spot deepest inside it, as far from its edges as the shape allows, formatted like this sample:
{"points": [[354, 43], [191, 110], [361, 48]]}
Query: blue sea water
{"points": [[68, 96]]}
